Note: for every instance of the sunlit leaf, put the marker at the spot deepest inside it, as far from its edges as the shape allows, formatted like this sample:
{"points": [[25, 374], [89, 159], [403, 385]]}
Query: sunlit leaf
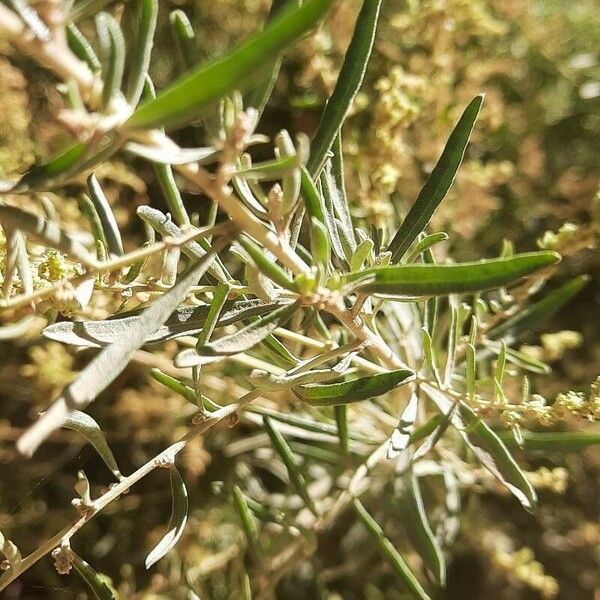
{"points": [[179, 513], [112, 44], [356, 390], [110, 228], [348, 83], [183, 101], [488, 448], [111, 361], [85, 425], [431, 280], [185, 320], [438, 183], [147, 12]]}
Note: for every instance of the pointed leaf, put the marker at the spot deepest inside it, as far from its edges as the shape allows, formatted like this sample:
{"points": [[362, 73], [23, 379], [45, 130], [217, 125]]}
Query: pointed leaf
{"points": [[183, 100], [112, 43], [285, 452], [82, 48], [555, 441], [89, 428], [174, 155], [347, 86], [94, 581], [359, 389], [179, 513], [185, 320], [267, 264], [111, 361], [147, 12], [438, 280], [489, 449], [107, 217], [249, 336], [438, 184], [393, 556], [416, 524]]}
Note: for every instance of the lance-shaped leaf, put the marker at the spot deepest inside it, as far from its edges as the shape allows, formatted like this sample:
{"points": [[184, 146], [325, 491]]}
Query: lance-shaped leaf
{"points": [[533, 314], [249, 336], [462, 278], [112, 43], [93, 580], [185, 320], [341, 419], [285, 452], [426, 243], [248, 523], [336, 187], [356, 390], [393, 556], [109, 363], [112, 235], [269, 170], [266, 264], [85, 425], [348, 83], [438, 183], [46, 233], [49, 174], [179, 513], [555, 441], [415, 522], [489, 449], [184, 38], [82, 48], [184, 99], [147, 11], [173, 155]]}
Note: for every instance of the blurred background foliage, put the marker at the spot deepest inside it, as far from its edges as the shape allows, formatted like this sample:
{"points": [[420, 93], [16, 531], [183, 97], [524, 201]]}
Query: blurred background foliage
{"points": [[532, 166]]}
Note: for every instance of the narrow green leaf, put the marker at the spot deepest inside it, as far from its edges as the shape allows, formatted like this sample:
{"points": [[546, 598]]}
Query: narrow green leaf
{"points": [[430, 358], [174, 385], [532, 315], [312, 198], [107, 217], [555, 441], [112, 44], [82, 48], [111, 361], [85, 8], [415, 522], [437, 280], [356, 390], [185, 320], [214, 312], [270, 170], [164, 174], [184, 38], [489, 449], [184, 99], [145, 26], [246, 338], [266, 264], [388, 550], [337, 189], [45, 232], [285, 452], [94, 581], [320, 245], [426, 243], [329, 191], [363, 250], [85, 425], [247, 519], [438, 183], [49, 174], [347, 86], [179, 513]]}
